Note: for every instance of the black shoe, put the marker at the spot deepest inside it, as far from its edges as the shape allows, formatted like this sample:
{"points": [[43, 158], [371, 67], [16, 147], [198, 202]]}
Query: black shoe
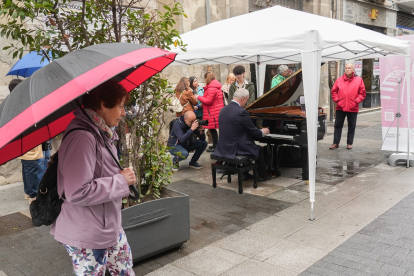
{"points": [[264, 177], [212, 149], [195, 165]]}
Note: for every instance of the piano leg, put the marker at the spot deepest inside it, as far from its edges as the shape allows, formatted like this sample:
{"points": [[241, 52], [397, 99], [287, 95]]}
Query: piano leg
{"points": [[272, 158], [276, 159], [269, 156], [305, 163]]}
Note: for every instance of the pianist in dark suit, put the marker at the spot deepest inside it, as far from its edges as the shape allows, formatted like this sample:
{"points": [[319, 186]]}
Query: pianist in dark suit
{"points": [[237, 133]]}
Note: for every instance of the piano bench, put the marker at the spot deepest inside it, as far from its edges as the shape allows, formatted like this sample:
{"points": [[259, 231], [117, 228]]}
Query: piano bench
{"points": [[238, 165]]}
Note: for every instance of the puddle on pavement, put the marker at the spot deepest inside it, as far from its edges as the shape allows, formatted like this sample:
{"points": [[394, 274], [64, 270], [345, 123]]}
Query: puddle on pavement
{"points": [[337, 172]]}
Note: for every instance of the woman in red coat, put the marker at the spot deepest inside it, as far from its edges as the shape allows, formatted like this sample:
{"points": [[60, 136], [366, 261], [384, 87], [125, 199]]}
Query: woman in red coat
{"points": [[212, 103]]}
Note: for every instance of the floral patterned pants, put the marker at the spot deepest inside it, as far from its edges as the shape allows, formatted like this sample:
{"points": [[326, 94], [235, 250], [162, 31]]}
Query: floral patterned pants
{"points": [[93, 262]]}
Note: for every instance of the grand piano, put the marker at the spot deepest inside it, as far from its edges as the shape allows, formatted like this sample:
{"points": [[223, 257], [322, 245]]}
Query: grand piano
{"points": [[287, 123]]}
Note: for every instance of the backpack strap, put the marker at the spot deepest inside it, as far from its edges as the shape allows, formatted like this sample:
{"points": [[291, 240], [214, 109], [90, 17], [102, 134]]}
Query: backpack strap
{"points": [[73, 129], [64, 136]]}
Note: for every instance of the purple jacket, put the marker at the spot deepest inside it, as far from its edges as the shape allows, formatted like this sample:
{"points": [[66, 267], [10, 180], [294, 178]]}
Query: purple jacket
{"points": [[91, 214]]}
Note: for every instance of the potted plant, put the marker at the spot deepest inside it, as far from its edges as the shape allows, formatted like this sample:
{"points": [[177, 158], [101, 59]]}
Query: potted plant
{"points": [[160, 220]]}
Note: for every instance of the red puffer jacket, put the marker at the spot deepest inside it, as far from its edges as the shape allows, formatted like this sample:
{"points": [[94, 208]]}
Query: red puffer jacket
{"points": [[348, 93], [212, 103]]}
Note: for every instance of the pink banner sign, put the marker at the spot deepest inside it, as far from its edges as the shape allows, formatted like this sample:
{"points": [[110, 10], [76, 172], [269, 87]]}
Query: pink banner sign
{"points": [[393, 87]]}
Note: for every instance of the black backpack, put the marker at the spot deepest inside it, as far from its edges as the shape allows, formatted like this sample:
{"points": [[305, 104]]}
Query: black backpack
{"points": [[46, 208]]}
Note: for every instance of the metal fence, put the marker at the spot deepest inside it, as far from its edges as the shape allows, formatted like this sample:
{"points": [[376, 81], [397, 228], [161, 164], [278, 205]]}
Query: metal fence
{"points": [[255, 5]]}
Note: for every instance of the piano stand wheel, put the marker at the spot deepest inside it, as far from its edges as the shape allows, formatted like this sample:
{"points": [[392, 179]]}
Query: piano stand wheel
{"points": [[241, 191], [255, 185], [214, 184]]}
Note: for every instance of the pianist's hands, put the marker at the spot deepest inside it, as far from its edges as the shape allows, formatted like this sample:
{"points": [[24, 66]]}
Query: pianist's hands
{"points": [[265, 130]]}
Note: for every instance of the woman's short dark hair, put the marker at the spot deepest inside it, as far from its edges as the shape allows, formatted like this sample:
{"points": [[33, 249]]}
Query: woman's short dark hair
{"points": [[110, 93], [238, 70]]}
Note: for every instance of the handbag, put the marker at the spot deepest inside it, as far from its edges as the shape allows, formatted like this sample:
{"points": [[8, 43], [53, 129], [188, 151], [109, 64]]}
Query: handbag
{"points": [[46, 145], [176, 104]]}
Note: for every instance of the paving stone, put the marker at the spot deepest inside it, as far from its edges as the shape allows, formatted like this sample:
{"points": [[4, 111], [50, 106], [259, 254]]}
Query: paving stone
{"points": [[389, 269], [170, 270], [247, 243], [290, 256], [11, 270], [254, 268], [210, 260]]}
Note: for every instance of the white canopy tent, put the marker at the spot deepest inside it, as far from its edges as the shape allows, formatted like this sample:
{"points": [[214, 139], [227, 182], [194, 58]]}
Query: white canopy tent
{"points": [[280, 35]]}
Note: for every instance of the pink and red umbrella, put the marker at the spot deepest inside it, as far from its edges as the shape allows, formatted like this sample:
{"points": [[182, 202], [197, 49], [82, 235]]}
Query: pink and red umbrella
{"points": [[41, 106]]}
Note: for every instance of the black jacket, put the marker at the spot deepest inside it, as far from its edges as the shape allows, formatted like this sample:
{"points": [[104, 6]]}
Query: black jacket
{"points": [[181, 134], [237, 133]]}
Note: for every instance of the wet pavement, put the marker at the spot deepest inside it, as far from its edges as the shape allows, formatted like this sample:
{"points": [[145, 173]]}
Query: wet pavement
{"points": [[265, 231], [214, 215]]}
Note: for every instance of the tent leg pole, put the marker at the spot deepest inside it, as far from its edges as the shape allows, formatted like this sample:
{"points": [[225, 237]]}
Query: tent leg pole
{"points": [[312, 218], [258, 76]]}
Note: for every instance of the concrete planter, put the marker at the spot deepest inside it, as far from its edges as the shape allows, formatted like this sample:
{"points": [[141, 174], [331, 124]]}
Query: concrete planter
{"points": [[158, 225]]}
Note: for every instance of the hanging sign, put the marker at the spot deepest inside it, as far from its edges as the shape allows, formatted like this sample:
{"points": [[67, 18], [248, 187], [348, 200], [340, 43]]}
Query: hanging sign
{"points": [[332, 73], [358, 67], [376, 71]]}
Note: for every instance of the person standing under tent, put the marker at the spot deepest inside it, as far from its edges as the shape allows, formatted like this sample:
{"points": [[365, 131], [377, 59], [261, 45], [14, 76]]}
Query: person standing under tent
{"points": [[348, 92], [212, 103], [186, 96], [197, 90], [282, 73], [231, 78], [241, 82]]}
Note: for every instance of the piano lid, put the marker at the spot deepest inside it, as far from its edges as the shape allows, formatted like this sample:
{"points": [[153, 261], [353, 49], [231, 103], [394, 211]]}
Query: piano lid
{"points": [[282, 94]]}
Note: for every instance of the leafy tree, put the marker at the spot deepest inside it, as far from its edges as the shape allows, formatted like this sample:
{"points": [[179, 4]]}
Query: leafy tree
{"points": [[62, 27]]}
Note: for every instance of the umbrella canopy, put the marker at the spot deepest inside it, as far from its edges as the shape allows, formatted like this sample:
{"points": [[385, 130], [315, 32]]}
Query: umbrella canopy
{"points": [[41, 106], [29, 63]]}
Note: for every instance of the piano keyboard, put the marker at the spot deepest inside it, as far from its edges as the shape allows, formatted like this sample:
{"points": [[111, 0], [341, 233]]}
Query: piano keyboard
{"points": [[279, 136]]}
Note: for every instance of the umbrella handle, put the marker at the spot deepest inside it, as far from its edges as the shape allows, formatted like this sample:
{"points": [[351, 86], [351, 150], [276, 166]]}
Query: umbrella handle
{"points": [[133, 193]]}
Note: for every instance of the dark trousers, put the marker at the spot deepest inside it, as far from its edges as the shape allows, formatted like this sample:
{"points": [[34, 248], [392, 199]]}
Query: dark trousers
{"points": [[339, 124], [181, 153], [30, 171], [214, 135]]}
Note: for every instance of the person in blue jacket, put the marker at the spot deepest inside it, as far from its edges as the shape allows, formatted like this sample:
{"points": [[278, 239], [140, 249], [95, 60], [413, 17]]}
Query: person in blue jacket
{"points": [[197, 90]]}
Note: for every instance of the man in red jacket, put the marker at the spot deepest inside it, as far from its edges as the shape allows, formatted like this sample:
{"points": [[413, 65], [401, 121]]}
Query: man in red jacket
{"points": [[348, 91]]}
